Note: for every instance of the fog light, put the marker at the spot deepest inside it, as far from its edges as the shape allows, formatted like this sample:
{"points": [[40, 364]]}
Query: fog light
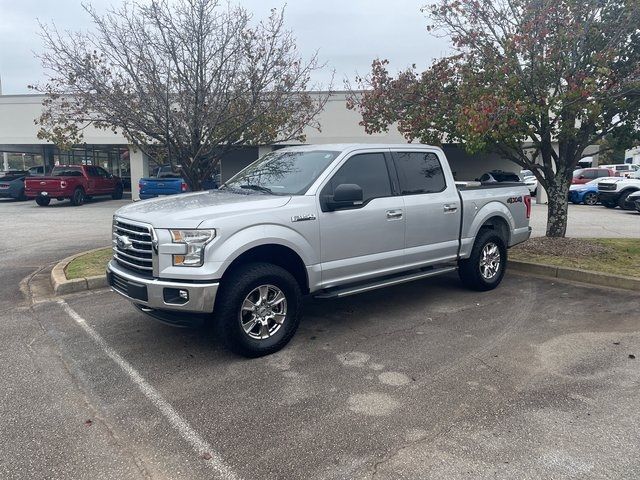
{"points": [[175, 296], [184, 294]]}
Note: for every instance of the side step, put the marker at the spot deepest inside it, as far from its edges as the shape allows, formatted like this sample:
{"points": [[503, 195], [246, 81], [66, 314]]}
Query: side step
{"points": [[340, 292]]}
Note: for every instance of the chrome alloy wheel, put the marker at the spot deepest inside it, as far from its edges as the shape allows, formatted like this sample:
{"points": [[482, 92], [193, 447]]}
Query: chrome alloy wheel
{"points": [[490, 261], [263, 312]]}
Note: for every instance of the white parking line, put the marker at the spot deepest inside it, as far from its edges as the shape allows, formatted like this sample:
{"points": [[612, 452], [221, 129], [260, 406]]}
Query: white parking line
{"points": [[202, 448]]}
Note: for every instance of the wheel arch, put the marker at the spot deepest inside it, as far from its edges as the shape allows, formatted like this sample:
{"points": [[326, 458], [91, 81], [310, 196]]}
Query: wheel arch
{"points": [[276, 254]]}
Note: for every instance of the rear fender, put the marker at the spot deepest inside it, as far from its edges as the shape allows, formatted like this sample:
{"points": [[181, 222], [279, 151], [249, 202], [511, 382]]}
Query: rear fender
{"points": [[486, 213]]}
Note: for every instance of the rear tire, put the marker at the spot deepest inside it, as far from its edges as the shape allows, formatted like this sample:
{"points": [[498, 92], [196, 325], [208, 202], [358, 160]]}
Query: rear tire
{"points": [[78, 197], [249, 305], [117, 193], [43, 201], [590, 198], [609, 204], [485, 267]]}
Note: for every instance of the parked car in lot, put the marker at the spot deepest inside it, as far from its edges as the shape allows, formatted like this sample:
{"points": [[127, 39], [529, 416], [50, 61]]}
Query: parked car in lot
{"points": [[634, 201], [327, 220], [586, 193], [623, 169], [75, 182], [613, 192], [12, 184], [167, 182], [529, 180], [585, 175]]}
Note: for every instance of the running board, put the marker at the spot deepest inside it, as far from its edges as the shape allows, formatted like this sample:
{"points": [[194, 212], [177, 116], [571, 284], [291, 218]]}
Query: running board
{"points": [[340, 292]]}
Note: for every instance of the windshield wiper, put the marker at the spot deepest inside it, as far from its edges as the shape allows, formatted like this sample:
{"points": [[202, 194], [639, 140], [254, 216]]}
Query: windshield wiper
{"points": [[258, 188]]}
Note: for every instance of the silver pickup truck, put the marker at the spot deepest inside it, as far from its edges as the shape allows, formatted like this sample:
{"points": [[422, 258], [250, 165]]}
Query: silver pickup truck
{"points": [[325, 220]]}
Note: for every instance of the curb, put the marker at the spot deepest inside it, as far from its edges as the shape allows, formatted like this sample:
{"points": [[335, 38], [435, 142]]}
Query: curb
{"points": [[62, 286], [576, 275]]}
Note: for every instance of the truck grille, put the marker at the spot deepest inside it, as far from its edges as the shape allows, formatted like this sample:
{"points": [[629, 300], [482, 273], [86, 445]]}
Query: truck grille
{"points": [[606, 187], [132, 247]]}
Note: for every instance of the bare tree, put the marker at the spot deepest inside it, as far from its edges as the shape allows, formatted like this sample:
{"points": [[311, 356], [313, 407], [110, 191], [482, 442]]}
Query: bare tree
{"points": [[189, 80]]}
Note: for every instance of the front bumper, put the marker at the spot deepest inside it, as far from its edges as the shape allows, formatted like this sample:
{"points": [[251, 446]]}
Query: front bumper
{"points": [[157, 294], [608, 197]]}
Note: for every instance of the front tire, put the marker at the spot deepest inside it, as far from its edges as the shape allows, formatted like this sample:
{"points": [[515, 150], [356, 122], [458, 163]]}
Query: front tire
{"points": [[609, 204], [78, 197], [623, 199], [258, 309], [485, 267], [43, 201], [590, 198]]}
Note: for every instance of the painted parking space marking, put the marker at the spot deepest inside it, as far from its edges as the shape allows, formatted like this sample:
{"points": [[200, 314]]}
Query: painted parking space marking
{"points": [[197, 443]]}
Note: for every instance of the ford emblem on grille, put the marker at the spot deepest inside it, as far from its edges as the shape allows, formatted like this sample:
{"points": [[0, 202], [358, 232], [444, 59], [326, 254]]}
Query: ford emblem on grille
{"points": [[124, 243]]}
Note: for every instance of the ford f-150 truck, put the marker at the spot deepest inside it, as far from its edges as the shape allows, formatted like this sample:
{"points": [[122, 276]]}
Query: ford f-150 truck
{"points": [[327, 220], [76, 182]]}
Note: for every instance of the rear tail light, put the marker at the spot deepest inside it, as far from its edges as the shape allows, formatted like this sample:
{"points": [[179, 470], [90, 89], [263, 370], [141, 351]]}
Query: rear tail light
{"points": [[184, 187], [527, 204]]}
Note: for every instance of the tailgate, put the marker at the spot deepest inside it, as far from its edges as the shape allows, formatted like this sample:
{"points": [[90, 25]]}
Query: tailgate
{"points": [[160, 186], [41, 184]]}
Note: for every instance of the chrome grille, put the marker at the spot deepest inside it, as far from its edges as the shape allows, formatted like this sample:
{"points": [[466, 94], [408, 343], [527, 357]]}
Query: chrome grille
{"points": [[132, 246], [602, 186]]}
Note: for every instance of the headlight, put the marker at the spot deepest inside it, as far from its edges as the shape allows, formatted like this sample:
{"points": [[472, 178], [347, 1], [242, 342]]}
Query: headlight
{"points": [[195, 240]]}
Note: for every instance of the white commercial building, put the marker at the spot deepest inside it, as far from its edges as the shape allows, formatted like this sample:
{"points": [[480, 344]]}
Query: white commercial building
{"points": [[22, 148]]}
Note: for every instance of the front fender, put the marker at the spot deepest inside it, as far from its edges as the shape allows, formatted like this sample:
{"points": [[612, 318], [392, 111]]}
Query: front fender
{"points": [[257, 235]]}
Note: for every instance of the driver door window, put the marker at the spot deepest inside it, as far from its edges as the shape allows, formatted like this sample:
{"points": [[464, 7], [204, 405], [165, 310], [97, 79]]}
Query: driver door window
{"points": [[369, 171]]}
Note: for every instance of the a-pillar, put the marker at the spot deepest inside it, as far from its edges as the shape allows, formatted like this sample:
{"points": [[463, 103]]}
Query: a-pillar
{"points": [[139, 166]]}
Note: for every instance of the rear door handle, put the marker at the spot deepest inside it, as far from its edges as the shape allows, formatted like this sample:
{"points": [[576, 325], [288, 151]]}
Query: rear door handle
{"points": [[450, 208], [394, 214]]}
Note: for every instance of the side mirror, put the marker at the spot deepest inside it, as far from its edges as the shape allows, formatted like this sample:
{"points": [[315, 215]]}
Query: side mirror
{"points": [[345, 195]]}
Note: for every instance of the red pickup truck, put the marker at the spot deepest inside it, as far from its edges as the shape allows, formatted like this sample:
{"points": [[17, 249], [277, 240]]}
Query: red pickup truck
{"points": [[76, 182]]}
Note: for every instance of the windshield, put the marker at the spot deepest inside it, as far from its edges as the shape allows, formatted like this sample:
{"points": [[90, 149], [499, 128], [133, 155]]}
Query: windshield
{"points": [[283, 173], [66, 172]]}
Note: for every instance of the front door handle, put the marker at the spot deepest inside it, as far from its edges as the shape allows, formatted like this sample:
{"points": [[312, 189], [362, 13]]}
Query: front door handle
{"points": [[450, 208], [394, 214]]}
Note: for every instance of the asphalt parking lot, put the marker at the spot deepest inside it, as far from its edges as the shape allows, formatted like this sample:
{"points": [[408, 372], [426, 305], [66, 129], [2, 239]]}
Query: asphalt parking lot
{"points": [[425, 380]]}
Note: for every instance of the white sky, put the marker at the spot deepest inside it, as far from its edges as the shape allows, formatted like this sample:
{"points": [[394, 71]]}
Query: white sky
{"points": [[348, 34]]}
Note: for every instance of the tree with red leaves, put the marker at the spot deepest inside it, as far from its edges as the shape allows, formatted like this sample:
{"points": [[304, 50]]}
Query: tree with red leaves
{"points": [[534, 80]]}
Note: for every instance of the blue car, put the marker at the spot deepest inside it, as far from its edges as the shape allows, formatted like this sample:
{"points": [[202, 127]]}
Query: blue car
{"points": [[586, 193], [12, 184]]}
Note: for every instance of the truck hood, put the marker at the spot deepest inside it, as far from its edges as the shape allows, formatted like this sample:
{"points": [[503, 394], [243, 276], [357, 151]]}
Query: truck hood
{"points": [[191, 209]]}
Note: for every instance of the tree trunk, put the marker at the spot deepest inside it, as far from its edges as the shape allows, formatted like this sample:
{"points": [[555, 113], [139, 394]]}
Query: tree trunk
{"points": [[557, 208]]}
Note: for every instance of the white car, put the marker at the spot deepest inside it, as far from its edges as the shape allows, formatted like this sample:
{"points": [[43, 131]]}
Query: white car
{"points": [[529, 180], [624, 169]]}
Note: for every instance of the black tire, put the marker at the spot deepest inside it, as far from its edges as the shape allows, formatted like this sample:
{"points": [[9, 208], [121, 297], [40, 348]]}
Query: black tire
{"points": [[241, 284], [77, 198], [623, 198], [43, 201], [609, 204], [469, 270], [590, 198], [117, 193]]}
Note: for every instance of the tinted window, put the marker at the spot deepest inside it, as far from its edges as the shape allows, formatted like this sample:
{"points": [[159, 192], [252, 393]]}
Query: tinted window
{"points": [[93, 172], [66, 172], [505, 177], [102, 172], [419, 172], [590, 174], [369, 170], [603, 173]]}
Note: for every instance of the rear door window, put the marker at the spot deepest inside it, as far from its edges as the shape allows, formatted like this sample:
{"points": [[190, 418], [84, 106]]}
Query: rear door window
{"points": [[419, 172]]}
